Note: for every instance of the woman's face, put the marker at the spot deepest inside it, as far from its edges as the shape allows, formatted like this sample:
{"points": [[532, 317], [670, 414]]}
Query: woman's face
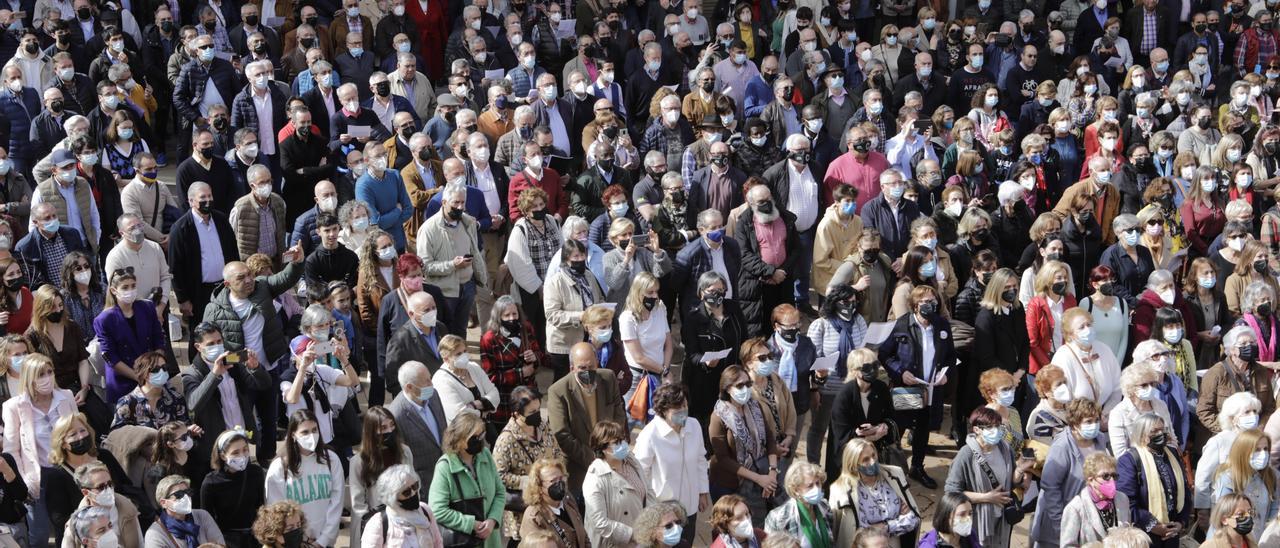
{"points": [[123, 286], [963, 511], [1244, 509], [992, 93], [652, 292], [13, 272], [385, 242], [1079, 323], [1054, 246], [538, 205], [511, 313], [408, 491], [926, 233], [579, 234], [236, 448], [624, 235], [76, 433], [386, 426], [1103, 474], [532, 408], [867, 458], [576, 255], [1060, 277], [307, 428], [715, 287], [549, 476], [179, 436]]}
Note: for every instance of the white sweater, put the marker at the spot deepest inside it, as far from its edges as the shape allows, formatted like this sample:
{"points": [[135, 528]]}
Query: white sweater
{"points": [[455, 397], [317, 487]]}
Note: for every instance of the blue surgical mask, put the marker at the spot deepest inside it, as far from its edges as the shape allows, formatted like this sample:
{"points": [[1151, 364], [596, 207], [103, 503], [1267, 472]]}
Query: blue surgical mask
{"points": [[680, 417], [1005, 398], [671, 535], [897, 192], [1131, 238], [813, 495], [15, 363], [929, 269], [991, 436], [1089, 430], [212, 352], [716, 235], [158, 378], [766, 368], [602, 336], [622, 450], [1207, 282], [849, 209], [356, 52]]}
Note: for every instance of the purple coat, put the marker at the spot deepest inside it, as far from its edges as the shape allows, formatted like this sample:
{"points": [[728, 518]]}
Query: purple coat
{"points": [[122, 343], [930, 540]]}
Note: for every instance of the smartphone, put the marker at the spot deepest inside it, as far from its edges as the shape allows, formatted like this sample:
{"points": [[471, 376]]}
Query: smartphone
{"points": [[640, 239], [1028, 453], [323, 347], [467, 256], [233, 357], [923, 125]]}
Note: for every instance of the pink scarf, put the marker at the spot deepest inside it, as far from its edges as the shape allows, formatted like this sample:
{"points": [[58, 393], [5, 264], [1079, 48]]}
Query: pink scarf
{"points": [[1265, 353]]}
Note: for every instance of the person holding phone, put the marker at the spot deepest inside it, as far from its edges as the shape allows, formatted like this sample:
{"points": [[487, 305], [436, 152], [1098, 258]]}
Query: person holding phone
{"points": [[314, 377], [987, 472]]}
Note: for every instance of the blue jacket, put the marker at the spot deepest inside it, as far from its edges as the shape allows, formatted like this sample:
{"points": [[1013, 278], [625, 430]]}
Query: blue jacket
{"points": [[475, 207], [759, 94], [694, 259], [389, 205], [894, 234], [304, 230], [15, 129], [28, 251]]}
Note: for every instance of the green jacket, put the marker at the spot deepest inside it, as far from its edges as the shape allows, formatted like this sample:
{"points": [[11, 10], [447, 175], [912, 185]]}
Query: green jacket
{"points": [[486, 485], [265, 290]]}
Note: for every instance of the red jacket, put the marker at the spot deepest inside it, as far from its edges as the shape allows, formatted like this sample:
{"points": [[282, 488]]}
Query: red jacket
{"points": [[1249, 41], [1144, 318], [557, 198], [1040, 330]]}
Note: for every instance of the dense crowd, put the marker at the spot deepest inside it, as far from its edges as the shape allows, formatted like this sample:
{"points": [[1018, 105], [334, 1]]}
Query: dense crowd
{"points": [[572, 274]]}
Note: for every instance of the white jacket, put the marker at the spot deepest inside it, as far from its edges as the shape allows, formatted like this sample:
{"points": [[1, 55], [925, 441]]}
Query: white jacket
{"points": [[455, 397]]}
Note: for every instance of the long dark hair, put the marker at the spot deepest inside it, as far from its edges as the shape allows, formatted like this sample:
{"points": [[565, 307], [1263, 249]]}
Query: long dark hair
{"points": [[911, 266], [946, 509], [375, 456], [164, 456], [292, 452]]}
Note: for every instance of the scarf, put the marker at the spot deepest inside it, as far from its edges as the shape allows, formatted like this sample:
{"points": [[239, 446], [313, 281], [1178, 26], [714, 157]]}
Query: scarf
{"points": [[424, 528], [787, 362], [1099, 502], [845, 328], [747, 445], [730, 542], [583, 288], [183, 530], [816, 531], [1156, 489], [1266, 352], [1184, 364], [313, 392]]}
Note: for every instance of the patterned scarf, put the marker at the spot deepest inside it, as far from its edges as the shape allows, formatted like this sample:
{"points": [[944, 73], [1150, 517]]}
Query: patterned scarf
{"points": [[748, 431], [184, 530]]}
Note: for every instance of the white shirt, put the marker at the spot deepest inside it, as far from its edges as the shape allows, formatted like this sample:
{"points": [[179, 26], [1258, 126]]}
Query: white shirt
{"points": [[253, 324], [266, 123], [802, 197], [676, 462], [326, 376], [211, 97], [231, 413], [211, 259], [899, 152], [717, 264], [559, 131], [44, 426], [484, 182], [651, 334], [1055, 310]]}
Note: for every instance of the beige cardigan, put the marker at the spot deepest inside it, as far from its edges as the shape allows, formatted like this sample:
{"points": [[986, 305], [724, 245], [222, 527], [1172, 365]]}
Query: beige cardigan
{"points": [[564, 309]]}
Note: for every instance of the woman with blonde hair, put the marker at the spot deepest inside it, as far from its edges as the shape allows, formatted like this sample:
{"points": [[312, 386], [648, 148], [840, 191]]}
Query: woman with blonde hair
{"points": [[1151, 474], [805, 515], [645, 332], [660, 525], [1000, 340], [1233, 525], [1053, 296], [53, 334], [73, 444], [1227, 153], [862, 409], [1240, 412], [963, 138], [29, 419], [461, 384], [13, 350], [872, 494], [1098, 508], [1091, 368], [549, 506], [1248, 471]]}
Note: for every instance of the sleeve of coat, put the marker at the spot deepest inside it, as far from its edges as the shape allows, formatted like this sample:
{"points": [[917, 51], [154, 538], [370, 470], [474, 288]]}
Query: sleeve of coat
{"points": [[1052, 483], [577, 453], [1127, 474], [596, 517], [1069, 533], [440, 494]]}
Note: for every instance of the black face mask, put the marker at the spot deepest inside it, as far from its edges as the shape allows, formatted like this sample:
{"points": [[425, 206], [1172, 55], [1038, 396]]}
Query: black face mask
{"points": [[1157, 441], [210, 26], [677, 197], [32, 47], [411, 503], [1200, 28], [578, 267], [789, 335], [204, 207], [424, 155], [1271, 148], [769, 77], [313, 20], [720, 161], [539, 215], [862, 146], [605, 164], [81, 446], [1263, 309], [983, 235], [308, 43], [765, 207], [1054, 257], [1260, 266], [475, 445], [650, 303], [220, 124], [389, 440], [1059, 288], [16, 283], [801, 156], [1249, 352], [847, 310], [1203, 123], [533, 419], [293, 538], [928, 309], [251, 20], [55, 106], [715, 298], [84, 13], [406, 133], [586, 378], [512, 327], [556, 491], [383, 89], [867, 374], [54, 317], [610, 132], [1009, 295], [1108, 289], [455, 214], [869, 256], [1086, 216], [1244, 525], [708, 86]]}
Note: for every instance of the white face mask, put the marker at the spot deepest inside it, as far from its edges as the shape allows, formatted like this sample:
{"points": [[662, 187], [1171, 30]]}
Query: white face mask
{"points": [[962, 527], [105, 498], [1061, 393], [83, 277], [182, 506], [108, 540], [308, 441]]}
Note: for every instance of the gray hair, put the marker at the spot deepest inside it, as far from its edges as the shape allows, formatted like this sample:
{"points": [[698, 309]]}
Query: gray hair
{"points": [[888, 174], [1158, 277], [83, 520], [796, 139], [1133, 376], [86, 470], [410, 372], [1252, 293], [707, 215], [418, 137], [1009, 191], [255, 170], [73, 122], [315, 314], [404, 57], [391, 481], [117, 71], [1229, 340], [710, 278], [166, 485], [523, 111], [320, 65], [348, 209], [454, 189], [1141, 427], [1146, 349], [120, 222], [196, 187], [572, 224], [652, 157], [1123, 222], [500, 305], [1235, 405], [671, 176]]}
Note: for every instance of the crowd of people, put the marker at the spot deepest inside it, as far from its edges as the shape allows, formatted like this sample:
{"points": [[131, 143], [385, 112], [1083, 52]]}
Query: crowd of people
{"points": [[572, 274]]}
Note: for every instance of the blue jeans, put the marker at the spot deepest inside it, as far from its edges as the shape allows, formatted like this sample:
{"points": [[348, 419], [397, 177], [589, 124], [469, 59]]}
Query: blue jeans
{"points": [[805, 265], [38, 520]]}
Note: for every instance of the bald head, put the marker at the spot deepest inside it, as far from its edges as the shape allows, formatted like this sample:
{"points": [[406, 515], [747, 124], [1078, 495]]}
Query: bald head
{"points": [[582, 357]]}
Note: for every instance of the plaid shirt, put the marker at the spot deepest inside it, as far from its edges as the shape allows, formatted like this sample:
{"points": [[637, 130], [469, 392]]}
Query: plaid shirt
{"points": [[1148, 32], [354, 26], [1266, 42], [54, 251], [221, 41]]}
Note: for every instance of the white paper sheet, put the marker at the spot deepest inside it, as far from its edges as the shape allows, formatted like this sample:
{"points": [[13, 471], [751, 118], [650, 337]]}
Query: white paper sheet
{"points": [[709, 357], [878, 332], [566, 29], [495, 74], [274, 22], [359, 132], [825, 363]]}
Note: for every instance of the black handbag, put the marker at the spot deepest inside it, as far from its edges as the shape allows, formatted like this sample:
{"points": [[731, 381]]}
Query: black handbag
{"points": [[1012, 511], [473, 507]]}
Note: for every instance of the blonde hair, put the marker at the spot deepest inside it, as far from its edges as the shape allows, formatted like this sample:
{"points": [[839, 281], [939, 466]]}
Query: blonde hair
{"points": [[58, 455], [453, 345], [1069, 317], [801, 473], [1237, 463], [1048, 271], [993, 297], [461, 429], [34, 366], [42, 303], [635, 298], [533, 481]]}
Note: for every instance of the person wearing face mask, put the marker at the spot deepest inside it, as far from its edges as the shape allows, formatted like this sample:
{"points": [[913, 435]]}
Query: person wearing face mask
{"points": [[851, 420], [585, 382], [1238, 414], [37, 394], [1049, 417], [234, 491], [745, 434], [1139, 384], [525, 439], [1129, 262], [1066, 470], [219, 388], [550, 508], [1252, 267], [731, 524], [1151, 475], [462, 384], [509, 352], [1235, 373], [1098, 507], [120, 515], [467, 473], [308, 470], [987, 472], [670, 448], [836, 237], [177, 521], [406, 519], [1091, 368], [259, 217], [805, 514]]}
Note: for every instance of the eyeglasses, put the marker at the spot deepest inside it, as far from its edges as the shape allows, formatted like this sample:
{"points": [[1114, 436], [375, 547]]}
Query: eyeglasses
{"points": [[743, 384], [1108, 476], [109, 484], [176, 495]]}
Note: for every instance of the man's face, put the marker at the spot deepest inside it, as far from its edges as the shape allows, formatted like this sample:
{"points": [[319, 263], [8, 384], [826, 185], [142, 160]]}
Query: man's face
{"points": [[147, 165], [329, 236], [203, 143], [262, 181], [201, 196], [1029, 56]]}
